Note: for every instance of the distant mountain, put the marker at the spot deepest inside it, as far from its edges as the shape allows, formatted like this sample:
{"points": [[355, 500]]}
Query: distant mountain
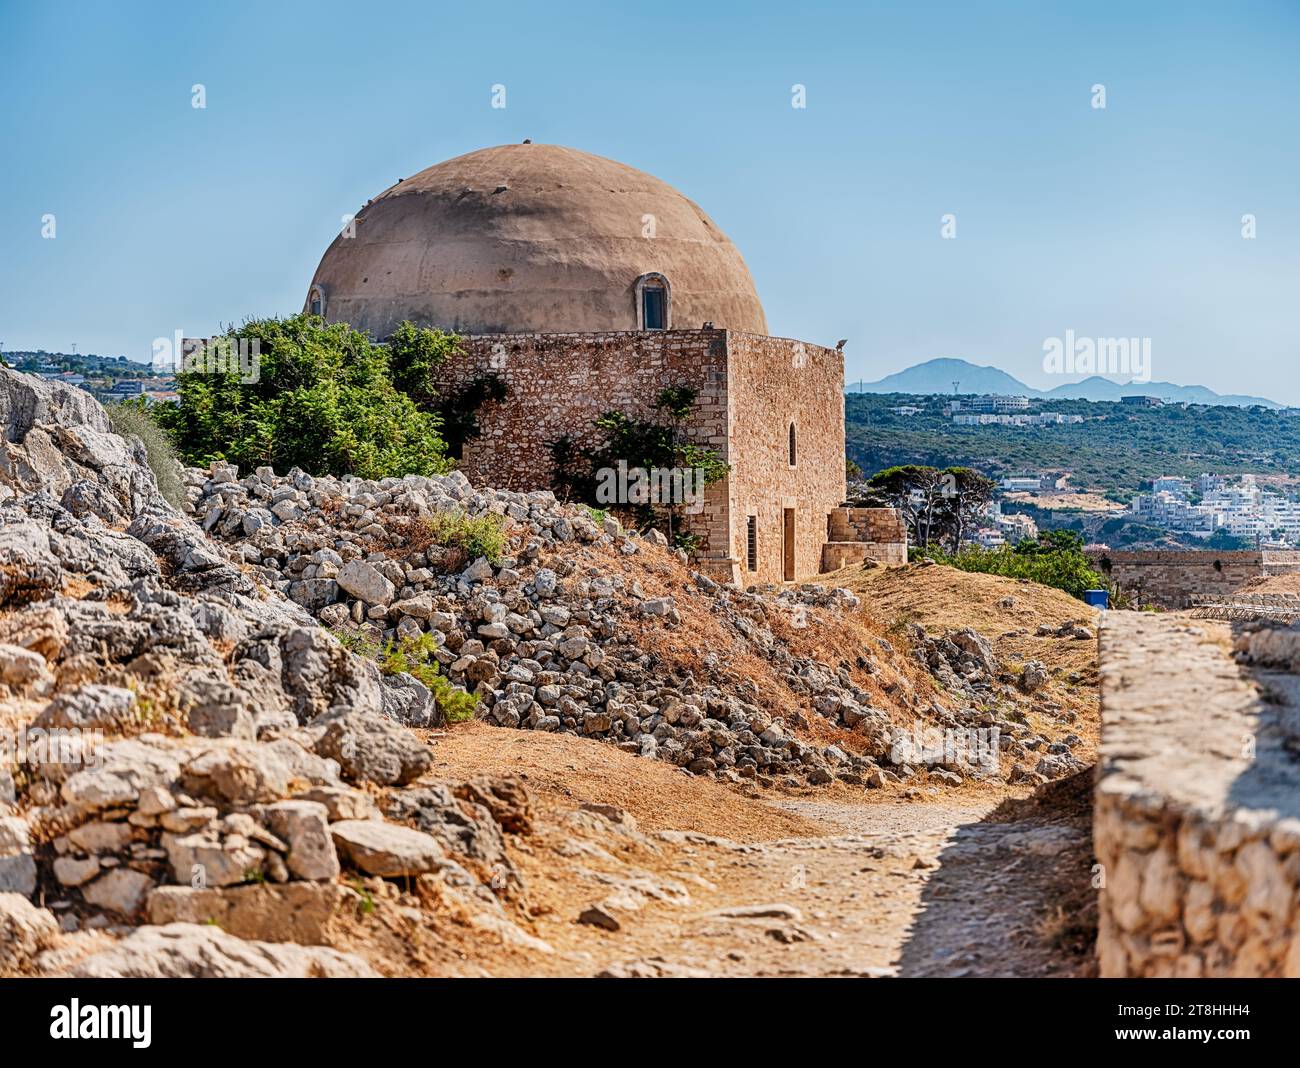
{"points": [[937, 376], [1103, 389]]}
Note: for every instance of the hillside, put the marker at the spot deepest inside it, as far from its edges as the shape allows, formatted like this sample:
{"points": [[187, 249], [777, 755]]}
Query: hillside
{"points": [[254, 785], [1113, 451], [937, 377]]}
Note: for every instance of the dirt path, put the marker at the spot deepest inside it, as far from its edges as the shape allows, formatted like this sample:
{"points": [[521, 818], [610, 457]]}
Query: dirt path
{"points": [[905, 889], [636, 869]]}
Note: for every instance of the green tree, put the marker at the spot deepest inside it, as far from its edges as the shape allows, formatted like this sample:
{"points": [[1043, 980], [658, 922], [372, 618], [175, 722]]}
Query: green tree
{"points": [[966, 497], [916, 491], [323, 400]]}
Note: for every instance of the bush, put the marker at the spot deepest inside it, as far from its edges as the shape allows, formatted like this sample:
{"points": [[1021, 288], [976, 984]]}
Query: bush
{"points": [[324, 401], [479, 536], [415, 657], [1063, 568], [133, 418]]}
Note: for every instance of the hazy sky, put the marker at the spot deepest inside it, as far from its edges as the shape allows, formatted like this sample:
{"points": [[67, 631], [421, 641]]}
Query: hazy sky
{"points": [[1117, 222]]}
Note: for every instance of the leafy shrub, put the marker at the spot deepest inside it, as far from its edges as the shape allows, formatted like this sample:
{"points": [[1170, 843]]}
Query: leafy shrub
{"points": [[415, 657], [1055, 559], [475, 536], [324, 401], [644, 444], [414, 353], [134, 418]]}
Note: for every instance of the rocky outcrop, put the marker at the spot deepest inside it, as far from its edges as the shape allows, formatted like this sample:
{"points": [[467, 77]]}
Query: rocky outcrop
{"points": [[187, 739], [190, 951]]}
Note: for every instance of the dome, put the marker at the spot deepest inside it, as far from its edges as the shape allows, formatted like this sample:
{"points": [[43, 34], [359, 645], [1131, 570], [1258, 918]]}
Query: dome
{"points": [[534, 239]]}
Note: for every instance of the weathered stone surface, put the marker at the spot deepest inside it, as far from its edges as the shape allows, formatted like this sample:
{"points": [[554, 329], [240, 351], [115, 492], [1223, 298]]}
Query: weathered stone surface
{"points": [[304, 825], [208, 858], [89, 706], [370, 748], [17, 865], [122, 891], [97, 837], [73, 871], [343, 802], [24, 931], [217, 709], [124, 769], [21, 667], [364, 581], [386, 849], [184, 950], [292, 912], [240, 774]]}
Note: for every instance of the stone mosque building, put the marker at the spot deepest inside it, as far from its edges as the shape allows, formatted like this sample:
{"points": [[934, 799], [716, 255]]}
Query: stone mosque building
{"points": [[589, 286]]}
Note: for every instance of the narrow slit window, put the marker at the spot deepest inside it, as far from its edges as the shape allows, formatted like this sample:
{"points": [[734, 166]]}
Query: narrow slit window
{"points": [[792, 446], [751, 542]]}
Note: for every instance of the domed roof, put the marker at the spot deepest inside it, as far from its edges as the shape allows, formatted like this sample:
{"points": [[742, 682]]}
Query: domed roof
{"points": [[533, 238]]}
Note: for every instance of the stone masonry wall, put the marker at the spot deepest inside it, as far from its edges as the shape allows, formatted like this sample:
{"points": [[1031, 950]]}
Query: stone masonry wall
{"points": [[774, 382], [750, 389], [858, 534], [559, 383], [1197, 805], [1169, 579]]}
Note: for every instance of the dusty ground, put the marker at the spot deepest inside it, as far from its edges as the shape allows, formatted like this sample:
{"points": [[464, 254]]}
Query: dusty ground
{"points": [[1273, 584], [562, 771], [1085, 502], [854, 885], [832, 881]]}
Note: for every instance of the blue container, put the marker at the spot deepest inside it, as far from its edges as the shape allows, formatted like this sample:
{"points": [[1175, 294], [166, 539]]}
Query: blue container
{"points": [[1097, 598]]}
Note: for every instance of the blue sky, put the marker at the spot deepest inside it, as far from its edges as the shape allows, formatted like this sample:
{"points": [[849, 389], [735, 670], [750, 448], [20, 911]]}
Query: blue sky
{"points": [[1122, 222]]}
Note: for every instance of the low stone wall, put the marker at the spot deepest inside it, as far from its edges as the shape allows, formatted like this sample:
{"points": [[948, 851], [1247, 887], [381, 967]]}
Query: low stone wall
{"points": [[858, 534], [1169, 579], [867, 524], [1197, 817]]}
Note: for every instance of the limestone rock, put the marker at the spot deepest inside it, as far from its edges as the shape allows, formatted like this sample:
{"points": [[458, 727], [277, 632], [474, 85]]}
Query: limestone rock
{"points": [[190, 951], [122, 891], [364, 581], [17, 865], [370, 748], [304, 825], [386, 849], [24, 931], [292, 912]]}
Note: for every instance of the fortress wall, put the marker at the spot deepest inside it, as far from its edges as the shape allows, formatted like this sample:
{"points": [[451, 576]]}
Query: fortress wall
{"points": [[1197, 805], [774, 383], [750, 389], [1169, 579]]}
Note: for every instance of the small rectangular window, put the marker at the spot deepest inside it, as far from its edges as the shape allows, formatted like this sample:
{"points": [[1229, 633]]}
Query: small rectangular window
{"points": [[653, 309], [751, 542]]}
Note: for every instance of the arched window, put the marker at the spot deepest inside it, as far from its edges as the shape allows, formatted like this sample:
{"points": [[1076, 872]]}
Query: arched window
{"points": [[793, 452], [654, 302], [316, 301]]}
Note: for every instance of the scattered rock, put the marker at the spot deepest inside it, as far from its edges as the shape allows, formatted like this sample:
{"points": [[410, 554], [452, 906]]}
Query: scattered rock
{"points": [[386, 849]]}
